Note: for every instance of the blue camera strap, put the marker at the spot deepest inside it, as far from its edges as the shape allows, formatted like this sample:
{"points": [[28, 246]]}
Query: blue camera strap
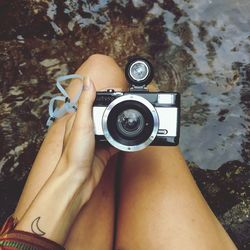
{"points": [[69, 106]]}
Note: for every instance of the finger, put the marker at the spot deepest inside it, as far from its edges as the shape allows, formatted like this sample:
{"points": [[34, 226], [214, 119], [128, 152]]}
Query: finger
{"points": [[81, 141], [101, 159], [68, 128], [105, 153], [84, 111]]}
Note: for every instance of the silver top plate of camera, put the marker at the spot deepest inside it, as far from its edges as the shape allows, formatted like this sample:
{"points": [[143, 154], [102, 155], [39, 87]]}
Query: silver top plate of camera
{"points": [[165, 99]]}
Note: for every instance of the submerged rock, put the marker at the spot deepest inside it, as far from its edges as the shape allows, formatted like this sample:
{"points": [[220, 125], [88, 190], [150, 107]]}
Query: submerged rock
{"points": [[227, 191]]}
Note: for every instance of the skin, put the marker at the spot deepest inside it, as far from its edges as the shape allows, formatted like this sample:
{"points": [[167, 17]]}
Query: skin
{"points": [[159, 206], [79, 168]]}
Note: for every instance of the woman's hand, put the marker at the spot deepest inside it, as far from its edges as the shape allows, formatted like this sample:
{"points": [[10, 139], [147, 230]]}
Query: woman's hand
{"points": [[79, 153], [72, 183]]}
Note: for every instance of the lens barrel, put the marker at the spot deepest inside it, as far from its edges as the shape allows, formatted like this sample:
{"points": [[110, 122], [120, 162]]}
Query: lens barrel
{"points": [[130, 123]]}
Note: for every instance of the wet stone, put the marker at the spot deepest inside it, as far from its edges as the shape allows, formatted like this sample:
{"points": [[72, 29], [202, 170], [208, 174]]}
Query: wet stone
{"points": [[227, 191]]}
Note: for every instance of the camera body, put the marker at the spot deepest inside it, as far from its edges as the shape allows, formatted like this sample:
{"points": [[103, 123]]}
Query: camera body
{"points": [[130, 121]]}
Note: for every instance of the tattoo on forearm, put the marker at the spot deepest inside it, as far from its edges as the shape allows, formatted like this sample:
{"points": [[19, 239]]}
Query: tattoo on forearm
{"points": [[35, 228]]}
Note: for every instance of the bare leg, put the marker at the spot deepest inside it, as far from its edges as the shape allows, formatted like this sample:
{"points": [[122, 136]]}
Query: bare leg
{"points": [[161, 206], [93, 228]]}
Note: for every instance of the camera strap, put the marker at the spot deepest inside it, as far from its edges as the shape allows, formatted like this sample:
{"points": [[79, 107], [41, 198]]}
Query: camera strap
{"points": [[69, 106]]}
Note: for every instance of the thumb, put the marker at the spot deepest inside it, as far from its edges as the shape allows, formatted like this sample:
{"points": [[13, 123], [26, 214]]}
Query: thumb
{"points": [[104, 153], [85, 103], [81, 142]]}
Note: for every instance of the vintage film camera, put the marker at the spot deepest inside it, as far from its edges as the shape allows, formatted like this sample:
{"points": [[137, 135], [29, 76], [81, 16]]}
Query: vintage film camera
{"points": [[130, 121]]}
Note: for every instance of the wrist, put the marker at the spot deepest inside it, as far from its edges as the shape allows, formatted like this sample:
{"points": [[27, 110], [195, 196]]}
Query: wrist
{"points": [[53, 210]]}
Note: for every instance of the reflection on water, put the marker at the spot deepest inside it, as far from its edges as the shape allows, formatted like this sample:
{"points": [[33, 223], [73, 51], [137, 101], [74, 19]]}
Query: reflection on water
{"points": [[215, 123], [200, 48], [210, 39]]}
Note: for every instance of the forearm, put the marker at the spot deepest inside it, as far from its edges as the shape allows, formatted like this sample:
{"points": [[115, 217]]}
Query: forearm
{"points": [[56, 205], [54, 209]]}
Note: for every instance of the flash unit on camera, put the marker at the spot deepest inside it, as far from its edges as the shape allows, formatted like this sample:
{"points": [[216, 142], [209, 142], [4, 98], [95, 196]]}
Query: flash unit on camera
{"points": [[139, 72]]}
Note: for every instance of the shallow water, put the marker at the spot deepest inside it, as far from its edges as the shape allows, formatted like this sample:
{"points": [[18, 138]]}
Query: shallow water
{"points": [[200, 48], [212, 38], [216, 121]]}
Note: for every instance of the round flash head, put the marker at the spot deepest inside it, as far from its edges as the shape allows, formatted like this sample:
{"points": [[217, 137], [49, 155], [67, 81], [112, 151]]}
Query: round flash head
{"points": [[139, 72]]}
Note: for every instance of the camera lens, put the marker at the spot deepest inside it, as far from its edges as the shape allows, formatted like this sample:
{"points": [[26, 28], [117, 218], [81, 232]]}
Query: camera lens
{"points": [[139, 70], [130, 123]]}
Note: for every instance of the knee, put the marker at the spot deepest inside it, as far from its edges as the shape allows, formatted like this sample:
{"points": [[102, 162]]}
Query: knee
{"points": [[104, 71], [100, 59]]}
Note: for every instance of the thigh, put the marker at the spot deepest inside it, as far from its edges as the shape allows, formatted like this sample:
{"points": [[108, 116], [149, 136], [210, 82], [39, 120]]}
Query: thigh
{"points": [[161, 207], [93, 228], [105, 73]]}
